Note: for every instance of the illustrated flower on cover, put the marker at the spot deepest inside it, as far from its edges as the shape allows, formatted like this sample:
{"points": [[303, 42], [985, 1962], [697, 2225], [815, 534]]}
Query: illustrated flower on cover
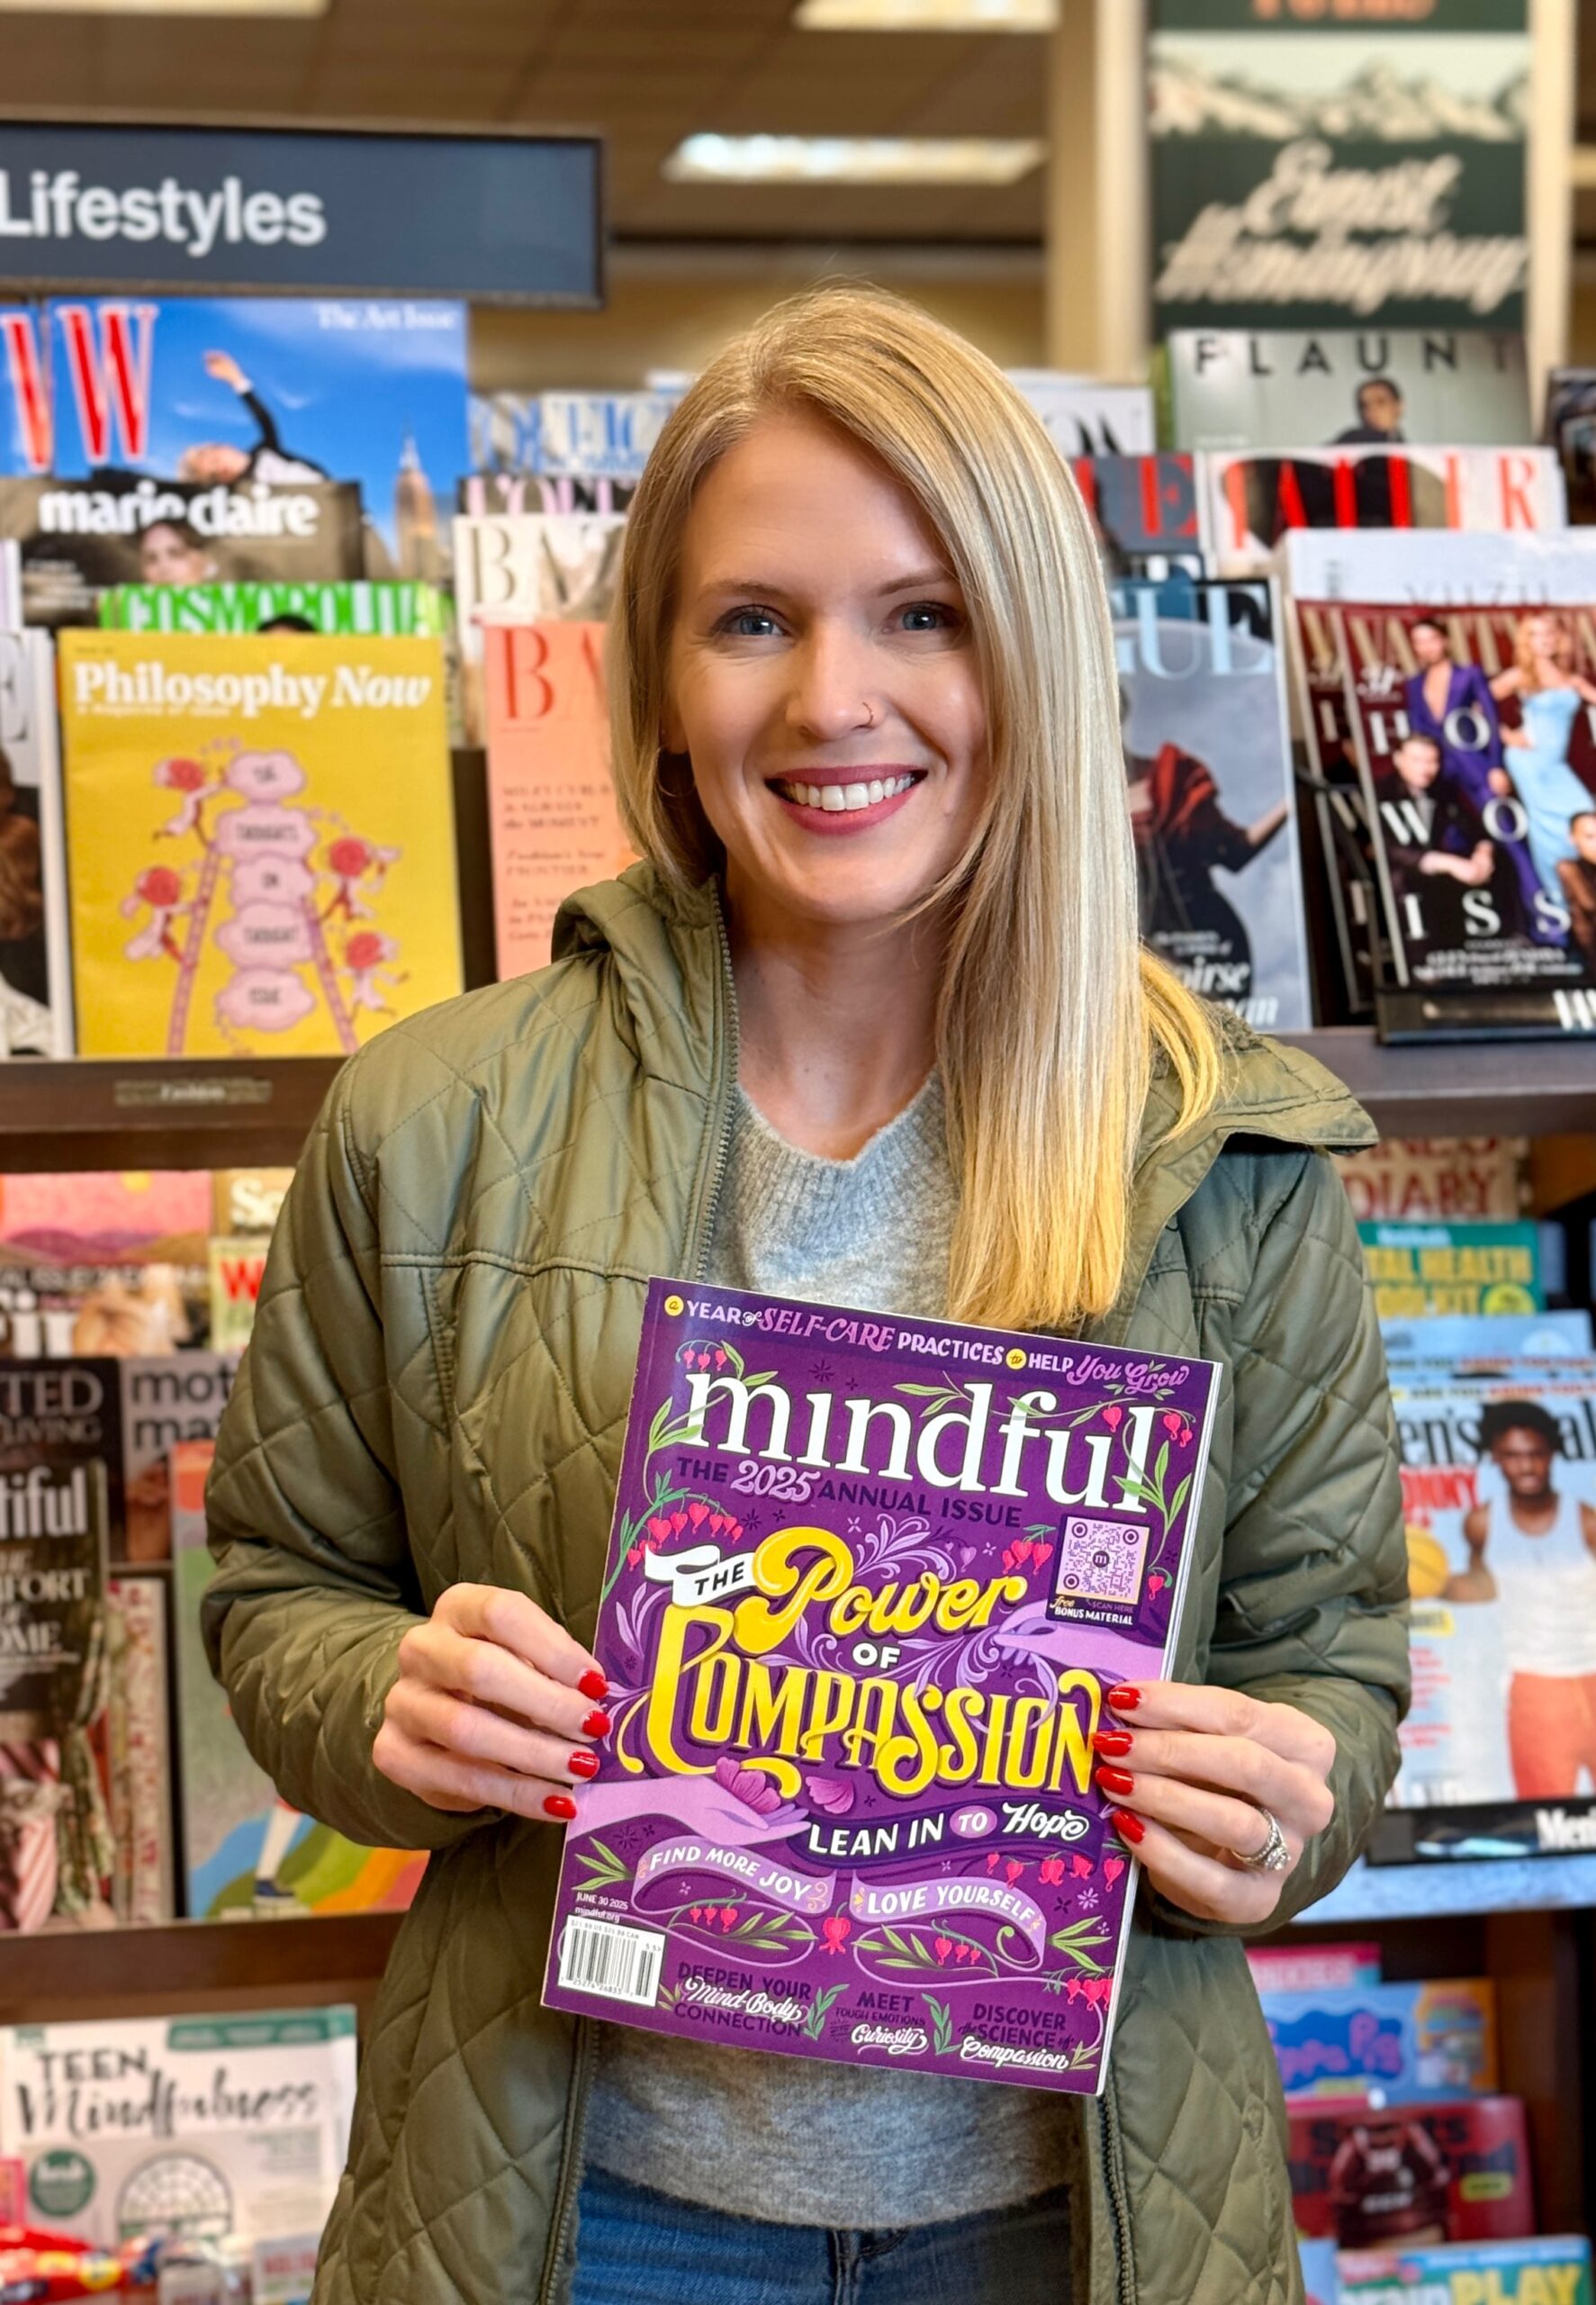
{"points": [[859, 1615], [275, 814]]}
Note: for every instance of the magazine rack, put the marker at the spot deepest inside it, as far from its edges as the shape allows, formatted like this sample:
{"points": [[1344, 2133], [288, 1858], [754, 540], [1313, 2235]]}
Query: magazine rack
{"points": [[216, 1113], [203, 1112]]}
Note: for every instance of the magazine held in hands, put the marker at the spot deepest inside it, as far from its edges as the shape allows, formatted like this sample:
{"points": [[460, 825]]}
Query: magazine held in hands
{"points": [[868, 1582]]}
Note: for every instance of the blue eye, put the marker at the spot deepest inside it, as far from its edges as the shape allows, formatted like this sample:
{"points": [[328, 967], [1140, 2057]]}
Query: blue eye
{"points": [[928, 616], [751, 623]]}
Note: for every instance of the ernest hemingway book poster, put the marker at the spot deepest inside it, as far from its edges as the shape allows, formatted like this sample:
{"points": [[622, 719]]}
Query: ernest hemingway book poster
{"points": [[1475, 733], [868, 1583], [1357, 167], [1209, 781]]}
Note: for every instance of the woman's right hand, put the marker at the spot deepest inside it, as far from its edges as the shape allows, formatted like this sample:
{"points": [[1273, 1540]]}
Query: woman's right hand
{"points": [[495, 1707]]}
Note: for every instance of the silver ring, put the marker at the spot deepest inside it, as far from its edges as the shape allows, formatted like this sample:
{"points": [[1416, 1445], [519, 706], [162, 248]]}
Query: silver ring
{"points": [[1273, 1856]]}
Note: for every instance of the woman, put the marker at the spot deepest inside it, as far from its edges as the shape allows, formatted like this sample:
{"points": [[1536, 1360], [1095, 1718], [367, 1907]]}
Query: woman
{"points": [[174, 552], [1550, 692], [871, 1023]]}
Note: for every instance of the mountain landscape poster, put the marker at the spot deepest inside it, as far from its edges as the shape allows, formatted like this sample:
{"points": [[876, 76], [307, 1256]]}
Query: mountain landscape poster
{"points": [[1326, 171]]}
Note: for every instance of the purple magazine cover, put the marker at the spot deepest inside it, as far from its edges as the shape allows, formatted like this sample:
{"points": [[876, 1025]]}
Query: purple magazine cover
{"points": [[868, 1582]]}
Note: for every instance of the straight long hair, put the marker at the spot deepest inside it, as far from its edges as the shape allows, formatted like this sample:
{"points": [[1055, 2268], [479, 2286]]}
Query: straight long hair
{"points": [[1051, 1015], [1524, 655]]}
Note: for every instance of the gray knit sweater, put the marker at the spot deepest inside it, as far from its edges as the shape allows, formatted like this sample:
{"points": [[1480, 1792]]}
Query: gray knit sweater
{"points": [[777, 2138]]}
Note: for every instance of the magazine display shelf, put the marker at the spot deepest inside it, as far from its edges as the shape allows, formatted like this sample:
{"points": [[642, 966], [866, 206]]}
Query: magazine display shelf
{"points": [[1540, 1963], [1535, 1934], [203, 1112], [1477, 1088], [194, 1965], [177, 1113]]}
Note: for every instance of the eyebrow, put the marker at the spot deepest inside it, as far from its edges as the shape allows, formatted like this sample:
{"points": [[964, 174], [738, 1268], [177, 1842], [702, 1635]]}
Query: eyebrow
{"points": [[760, 588]]}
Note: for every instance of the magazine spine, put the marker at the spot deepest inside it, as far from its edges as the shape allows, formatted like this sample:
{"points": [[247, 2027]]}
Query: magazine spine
{"points": [[1366, 778], [1303, 989], [1355, 979]]}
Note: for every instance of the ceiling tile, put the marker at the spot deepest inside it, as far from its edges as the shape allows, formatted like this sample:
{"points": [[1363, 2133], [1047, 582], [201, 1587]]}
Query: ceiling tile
{"points": [[643, 72]]}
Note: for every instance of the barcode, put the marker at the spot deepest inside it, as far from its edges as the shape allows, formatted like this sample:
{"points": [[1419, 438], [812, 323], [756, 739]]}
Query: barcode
{"points": [[612, 1960]]}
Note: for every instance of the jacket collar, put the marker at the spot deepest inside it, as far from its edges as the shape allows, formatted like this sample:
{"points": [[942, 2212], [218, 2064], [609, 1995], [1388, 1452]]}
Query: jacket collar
{"points": [[666, 945], [1271, 1091]]}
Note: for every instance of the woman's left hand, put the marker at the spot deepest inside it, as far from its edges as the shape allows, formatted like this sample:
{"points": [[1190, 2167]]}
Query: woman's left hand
{"points": [[1191, 1771]]}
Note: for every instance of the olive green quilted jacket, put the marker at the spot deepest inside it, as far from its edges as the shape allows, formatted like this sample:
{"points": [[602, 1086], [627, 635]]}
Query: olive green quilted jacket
{"points": [[437, 1390]]}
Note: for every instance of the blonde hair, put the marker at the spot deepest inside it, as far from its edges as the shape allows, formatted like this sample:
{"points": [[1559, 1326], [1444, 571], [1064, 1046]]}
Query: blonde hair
{"points": [[1051, 1017], [1524, 654]]}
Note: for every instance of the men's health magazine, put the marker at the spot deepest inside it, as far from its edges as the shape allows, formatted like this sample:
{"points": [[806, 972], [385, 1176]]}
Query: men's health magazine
{"points": [[869, 1582]]}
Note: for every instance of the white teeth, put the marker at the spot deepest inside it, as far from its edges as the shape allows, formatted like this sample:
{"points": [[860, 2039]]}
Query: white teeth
{"points": [[842, 800]]}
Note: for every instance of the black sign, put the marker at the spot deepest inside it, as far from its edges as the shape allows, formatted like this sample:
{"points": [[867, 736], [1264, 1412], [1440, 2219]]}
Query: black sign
{"points": [[495, 219]]}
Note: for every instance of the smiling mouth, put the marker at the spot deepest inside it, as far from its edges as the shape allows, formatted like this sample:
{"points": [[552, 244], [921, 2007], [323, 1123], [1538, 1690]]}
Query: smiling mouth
{"points": [[842, 800]]}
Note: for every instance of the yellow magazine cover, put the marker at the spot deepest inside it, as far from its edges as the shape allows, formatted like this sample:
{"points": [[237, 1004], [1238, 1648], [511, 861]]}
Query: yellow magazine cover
{"points": [[260, 839]]}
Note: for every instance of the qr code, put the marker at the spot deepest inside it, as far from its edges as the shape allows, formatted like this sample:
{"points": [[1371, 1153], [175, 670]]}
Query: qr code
{"points": [[1100, 1560]]}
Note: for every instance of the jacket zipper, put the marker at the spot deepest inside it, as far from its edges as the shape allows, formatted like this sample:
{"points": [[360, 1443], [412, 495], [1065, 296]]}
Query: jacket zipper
{"points": [[570, 2157], [723, 1072], [1118, 2203], [1114, 2175]]}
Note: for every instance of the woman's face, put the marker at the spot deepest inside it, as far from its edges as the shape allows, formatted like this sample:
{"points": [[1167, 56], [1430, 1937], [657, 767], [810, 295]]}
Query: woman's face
{"points": [[823, 680], [165, 559], [1543, 636]]}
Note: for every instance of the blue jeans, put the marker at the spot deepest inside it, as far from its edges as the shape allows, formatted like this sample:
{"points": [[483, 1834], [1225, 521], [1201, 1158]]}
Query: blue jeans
{"points": [[635, 2246]]}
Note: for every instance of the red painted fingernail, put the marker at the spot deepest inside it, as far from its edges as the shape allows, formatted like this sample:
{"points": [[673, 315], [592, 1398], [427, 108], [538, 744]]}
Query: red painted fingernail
{"points": [[1128, 1825], [596, 1724], [1115, 1742], [594, 1684], [583, 1763], [1123, 1700], [561, 1805], [1117, 1781]]}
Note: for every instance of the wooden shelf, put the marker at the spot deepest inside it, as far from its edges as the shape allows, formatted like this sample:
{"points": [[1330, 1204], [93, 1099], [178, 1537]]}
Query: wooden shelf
{"points": [[1541, 1963], [212, 1112], [194, 1965], [195, 1113], [1473, 1088]]}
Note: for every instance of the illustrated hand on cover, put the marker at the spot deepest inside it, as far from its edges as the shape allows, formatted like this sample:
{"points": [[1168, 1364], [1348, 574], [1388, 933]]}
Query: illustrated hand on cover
{"points": [[862, 1605]]}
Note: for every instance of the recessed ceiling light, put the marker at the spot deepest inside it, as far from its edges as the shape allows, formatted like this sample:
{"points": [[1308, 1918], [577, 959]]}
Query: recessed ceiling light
{"points": [[164, 7], [854, 160], [927, 15]]}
